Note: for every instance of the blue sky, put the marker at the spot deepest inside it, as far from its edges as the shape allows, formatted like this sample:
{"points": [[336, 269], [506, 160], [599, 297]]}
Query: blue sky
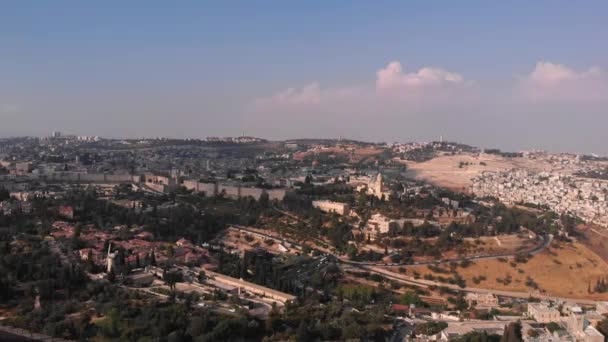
{"points": [[199, 68]]}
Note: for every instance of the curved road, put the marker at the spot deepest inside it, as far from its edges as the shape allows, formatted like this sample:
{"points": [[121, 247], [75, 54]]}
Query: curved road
{"points": [[547, 239], [379, 269], [546, 242]]}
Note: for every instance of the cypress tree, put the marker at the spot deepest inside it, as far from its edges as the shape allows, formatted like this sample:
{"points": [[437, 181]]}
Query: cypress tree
{"points": [[152, 259]]}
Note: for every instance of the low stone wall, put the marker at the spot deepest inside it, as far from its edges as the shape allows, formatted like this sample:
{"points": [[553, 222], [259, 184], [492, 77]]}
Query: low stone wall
{"points": [[75, 177], [233, 191]]}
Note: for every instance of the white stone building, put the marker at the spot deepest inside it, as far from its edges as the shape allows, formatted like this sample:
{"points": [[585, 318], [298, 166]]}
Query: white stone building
{"points": [[543, 313], [330, 206], [378, 224]]}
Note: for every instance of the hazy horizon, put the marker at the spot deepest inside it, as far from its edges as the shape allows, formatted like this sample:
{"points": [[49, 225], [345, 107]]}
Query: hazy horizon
{"points": [[492, 75]]}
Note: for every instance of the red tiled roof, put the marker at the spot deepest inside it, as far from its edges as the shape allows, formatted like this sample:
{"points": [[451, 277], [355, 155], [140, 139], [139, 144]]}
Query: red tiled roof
{"points": [[400, 307]]}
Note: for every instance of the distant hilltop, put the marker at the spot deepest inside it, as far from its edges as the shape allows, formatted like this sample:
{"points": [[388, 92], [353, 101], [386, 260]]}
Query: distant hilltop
{"points": [[440, 145]]}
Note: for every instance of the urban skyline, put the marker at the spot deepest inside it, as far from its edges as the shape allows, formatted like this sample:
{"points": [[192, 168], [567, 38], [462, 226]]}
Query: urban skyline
{"points": [[513, 77]]}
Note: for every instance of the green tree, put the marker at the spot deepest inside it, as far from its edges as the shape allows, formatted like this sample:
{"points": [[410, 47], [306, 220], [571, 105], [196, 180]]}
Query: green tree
{"points": [[602, 326], [111, 276], [478, 336], [264, 200], [552, 326], [152, 259], [302, 335], [77, 231], [512, 333], [274, 320], [410, 297], [110, 326], [352, 330]]}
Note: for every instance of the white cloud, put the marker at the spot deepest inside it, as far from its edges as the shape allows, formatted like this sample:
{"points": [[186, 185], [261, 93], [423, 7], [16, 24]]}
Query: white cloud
{"points": [[398, 103], [547, 73], [559, 83], [549, 87], [393, 76], [309, 94], [306, 96], [389, 80]]}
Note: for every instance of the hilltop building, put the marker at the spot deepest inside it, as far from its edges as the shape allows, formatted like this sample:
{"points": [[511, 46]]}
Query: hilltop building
{"points": [[375, 187]]}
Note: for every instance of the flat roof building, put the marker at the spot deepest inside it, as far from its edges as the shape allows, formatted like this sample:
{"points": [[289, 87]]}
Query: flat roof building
{"points": [[331, 206], [482, 300], [251, 287], [543, 313]]}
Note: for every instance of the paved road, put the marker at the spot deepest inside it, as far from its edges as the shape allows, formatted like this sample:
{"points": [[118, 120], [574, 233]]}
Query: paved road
{"points": [[8, 337], [599, 233], [10, 334], [511, 294], [546, 243], [379, 269]]}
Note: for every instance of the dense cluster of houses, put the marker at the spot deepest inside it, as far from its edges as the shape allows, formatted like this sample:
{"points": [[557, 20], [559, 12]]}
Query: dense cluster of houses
{"points": [[572, 322], [137, 249], [8, 208], [543, 321], [585, 198]]}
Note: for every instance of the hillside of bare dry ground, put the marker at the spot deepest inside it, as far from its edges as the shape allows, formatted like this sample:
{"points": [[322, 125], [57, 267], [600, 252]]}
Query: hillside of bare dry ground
{"points": [[456, 171], [565, 270], [596, 239]]}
